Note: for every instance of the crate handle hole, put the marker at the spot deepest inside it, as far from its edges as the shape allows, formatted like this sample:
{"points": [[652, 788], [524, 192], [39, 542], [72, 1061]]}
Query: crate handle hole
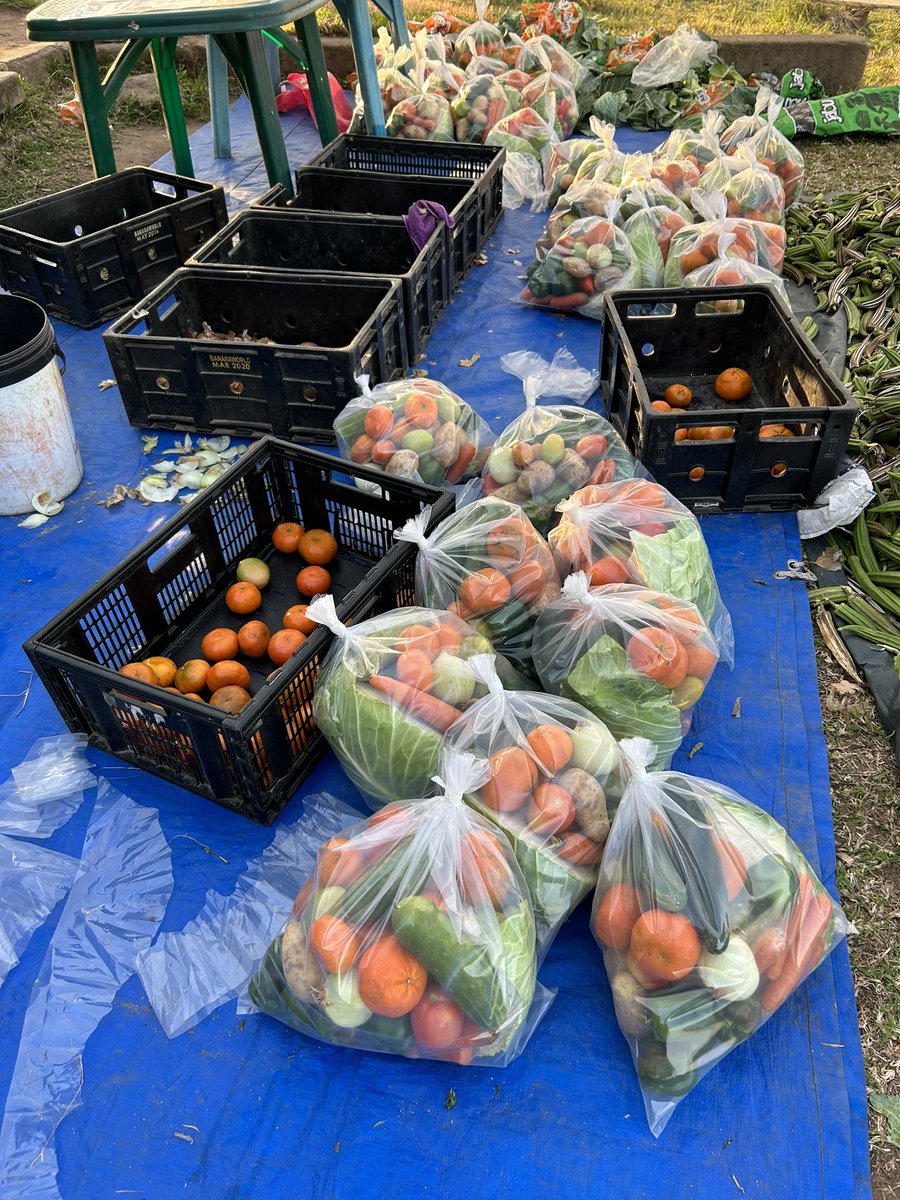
{"points": [[778, 470], [124, 214], [79, 230], [227, 317], [291, 321], [714, 347], [284, 254], [310, 394], [696, 473], [641, 312], [648, 350]]}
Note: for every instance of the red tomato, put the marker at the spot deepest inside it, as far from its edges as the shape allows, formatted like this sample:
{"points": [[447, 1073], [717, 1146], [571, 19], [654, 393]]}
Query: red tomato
{"points": [[608, 570], [551, 810], [437, 1021]]}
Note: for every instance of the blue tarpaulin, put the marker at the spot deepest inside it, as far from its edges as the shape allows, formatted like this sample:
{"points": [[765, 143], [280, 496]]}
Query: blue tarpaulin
{"points": [[249, 1108]]}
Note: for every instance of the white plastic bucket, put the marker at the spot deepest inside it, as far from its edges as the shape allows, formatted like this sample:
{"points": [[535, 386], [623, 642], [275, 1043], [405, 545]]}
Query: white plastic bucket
{"points": [[38, 451]]}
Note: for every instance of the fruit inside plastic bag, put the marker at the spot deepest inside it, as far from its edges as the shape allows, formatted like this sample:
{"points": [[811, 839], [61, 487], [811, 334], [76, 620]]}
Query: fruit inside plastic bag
{"points": [[761, 243], [477, 108], [554, 784], [413, 936], [638, 659], [487, 564], [725, 270], [481, 39], [388, 690], [424, 116], [709, 917], [414, 429], [650, 230], [635, 531], [754, 192]]}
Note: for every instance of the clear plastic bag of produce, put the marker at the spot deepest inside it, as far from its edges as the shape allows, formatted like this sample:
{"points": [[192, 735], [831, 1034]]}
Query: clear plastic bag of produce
{"points": [[673, 58], [443, 78], [709, 917], [423, 117], [635, 531], [758, 242], [478, 107], [481, 39], [549, 92], [393, 84], [641, 175], [525, 132], [650, 230], [554, 784], [629, 51], [414, 428], [388, 690], [384, 48], [778, 154], [568, 158], [718, 171], [754, 192], [523, 182], [593, 256], [488, 565], [606, 161], [638, 659], [725, 270], [680, 176], [559, 19], [580, 446], [494, 67], [514, 83], [747, 124], [699, 146], [587, 198], [537, 52], [413, 936]]}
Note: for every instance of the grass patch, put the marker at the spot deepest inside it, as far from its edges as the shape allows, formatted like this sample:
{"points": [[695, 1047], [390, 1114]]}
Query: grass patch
{"points": [[867, 836]]}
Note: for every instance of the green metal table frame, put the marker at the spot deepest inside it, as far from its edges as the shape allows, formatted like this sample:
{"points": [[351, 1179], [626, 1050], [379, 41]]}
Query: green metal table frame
{"points": [[238, 31]]}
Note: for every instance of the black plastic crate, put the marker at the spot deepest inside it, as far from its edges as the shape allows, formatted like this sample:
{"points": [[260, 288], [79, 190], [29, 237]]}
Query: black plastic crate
{"points": [[170, 591], [283, 240], [325, 190], [171, 377], [482, 164], [87, 253], [653, 338]]}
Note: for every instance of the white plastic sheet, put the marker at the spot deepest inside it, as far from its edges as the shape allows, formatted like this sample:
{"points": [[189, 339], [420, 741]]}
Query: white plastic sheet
{"points": [[188, 974], [839, 503], [113, 911], [32, 882], [46, 788]]}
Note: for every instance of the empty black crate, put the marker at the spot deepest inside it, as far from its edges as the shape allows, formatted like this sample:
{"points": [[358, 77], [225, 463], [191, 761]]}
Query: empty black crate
{"points": [[85, 254], [349, 243], [325, 190], [170, 591], [481, 164], [691, 339], [171, 376]]}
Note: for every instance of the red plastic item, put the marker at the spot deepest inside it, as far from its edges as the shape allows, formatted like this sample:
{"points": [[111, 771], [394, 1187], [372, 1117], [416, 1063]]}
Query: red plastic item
{"points": [[295, 91]]}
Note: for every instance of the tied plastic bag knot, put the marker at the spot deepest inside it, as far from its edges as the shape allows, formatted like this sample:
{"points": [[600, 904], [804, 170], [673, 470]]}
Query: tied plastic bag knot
{"points": [[483, 669], [637, 754], [462, 772], [562, 377], [577, 587], [362, 382], [414, 530], [321, 610]]}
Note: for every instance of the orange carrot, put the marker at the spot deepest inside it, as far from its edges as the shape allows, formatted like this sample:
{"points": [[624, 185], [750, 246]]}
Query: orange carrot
{"points": [[770, 950], [805, 943], [456, 472], [427, 708]]}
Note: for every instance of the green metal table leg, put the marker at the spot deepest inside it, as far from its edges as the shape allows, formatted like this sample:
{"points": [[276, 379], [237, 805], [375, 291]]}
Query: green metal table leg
{"points": [[93, 106], [162, 51], [307, 30], [121, 68], [220, 118], [258, 85]]}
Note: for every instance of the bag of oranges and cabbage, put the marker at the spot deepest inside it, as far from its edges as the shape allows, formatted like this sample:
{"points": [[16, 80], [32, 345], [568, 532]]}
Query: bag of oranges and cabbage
{"points": [[592, 257], [728, 270], [761, 243], [699, 146], [553, 787], [587, 198], [482, 39], [414, 936], [754, 192], [487, 564], [635, 531], [638, 659], [708, 916], [639, 179], [650, 230], [514, 84], [416, 429], [389, 689], [550, 451], [477, 108], [778, 154], [547, 86], [536, 53]]}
